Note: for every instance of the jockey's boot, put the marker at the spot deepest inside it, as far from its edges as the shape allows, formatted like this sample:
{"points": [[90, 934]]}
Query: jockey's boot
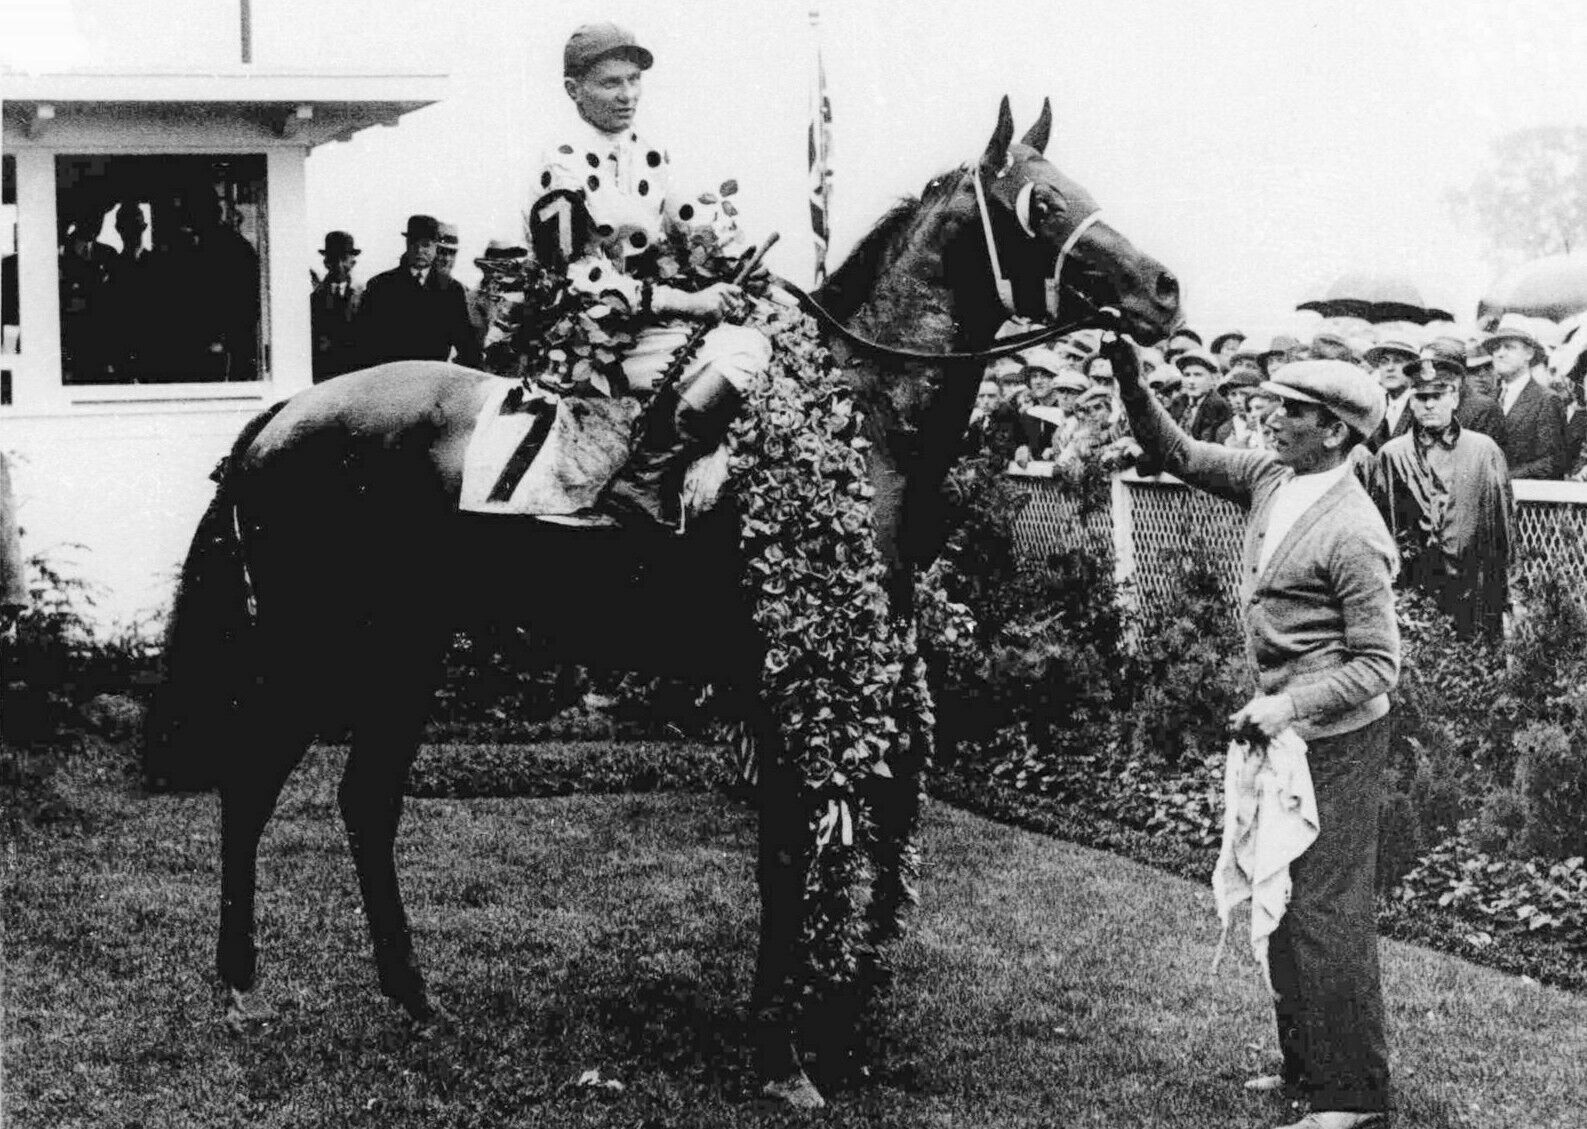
{"points": [[681, 425]]}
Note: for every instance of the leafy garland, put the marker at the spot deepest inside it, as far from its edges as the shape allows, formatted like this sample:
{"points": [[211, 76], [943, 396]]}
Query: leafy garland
{"points": [[846, 681]]}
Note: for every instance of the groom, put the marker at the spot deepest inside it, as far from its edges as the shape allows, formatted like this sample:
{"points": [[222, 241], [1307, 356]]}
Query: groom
{"points": [[1321, 633]]}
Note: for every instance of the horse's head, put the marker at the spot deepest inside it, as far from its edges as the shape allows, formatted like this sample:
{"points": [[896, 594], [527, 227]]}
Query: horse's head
{"points": [[1005, 233], [1035, 228]]}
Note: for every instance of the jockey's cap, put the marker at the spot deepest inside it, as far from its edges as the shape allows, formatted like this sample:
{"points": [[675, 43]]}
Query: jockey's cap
{"points": [[591, 43]]}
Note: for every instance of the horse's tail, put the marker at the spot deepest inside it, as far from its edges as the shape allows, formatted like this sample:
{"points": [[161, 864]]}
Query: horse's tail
{"points": [[206, 660]]}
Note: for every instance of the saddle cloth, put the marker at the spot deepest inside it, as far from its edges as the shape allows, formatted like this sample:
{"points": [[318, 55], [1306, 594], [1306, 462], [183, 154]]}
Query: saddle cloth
{"points": [[551, 456]]}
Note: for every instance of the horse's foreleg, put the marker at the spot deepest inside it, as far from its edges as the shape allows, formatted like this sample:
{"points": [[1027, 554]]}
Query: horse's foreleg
{"points": [[782, 862], [896, 809], [385, 742]]}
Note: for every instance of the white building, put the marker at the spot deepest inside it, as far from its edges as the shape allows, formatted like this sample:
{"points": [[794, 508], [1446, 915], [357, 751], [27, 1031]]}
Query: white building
{"points": [[118, 397]]}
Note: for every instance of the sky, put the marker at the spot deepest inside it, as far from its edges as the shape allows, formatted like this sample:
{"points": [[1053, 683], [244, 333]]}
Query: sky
{"points": [[1259, 149]]}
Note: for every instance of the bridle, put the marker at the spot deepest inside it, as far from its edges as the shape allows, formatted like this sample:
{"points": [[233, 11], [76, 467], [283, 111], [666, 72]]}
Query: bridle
{"points": [[1053, 288]]}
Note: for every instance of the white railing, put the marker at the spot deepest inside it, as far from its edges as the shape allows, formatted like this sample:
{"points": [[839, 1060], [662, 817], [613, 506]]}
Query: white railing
{"points": [[1147, 523]]}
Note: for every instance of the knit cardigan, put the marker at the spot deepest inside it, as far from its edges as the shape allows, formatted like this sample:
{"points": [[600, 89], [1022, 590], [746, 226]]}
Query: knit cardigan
{"points": [[1319, 620]]}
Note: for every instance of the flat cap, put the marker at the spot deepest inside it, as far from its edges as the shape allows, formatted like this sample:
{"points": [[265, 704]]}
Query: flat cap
{"points": [[1341, 387], [1240, 378], [1195, 357], [591, 43]]}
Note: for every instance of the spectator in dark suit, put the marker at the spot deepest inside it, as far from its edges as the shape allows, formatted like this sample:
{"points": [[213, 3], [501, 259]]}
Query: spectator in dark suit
{"points": [[1534, 421], [1205, 413], [333, 308], [1567, 387], [414, 312]]}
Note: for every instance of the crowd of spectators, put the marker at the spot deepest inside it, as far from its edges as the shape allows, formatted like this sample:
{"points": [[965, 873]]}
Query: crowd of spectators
{"points": [[1465, 416], [415, 311], [181, 307], [1513, 387]]}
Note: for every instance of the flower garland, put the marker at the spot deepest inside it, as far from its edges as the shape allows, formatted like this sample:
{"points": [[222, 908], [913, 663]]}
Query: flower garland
{"points": [[845, 679]]}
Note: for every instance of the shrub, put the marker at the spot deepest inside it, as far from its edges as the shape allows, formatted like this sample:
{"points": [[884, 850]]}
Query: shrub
{"points": [[1188, 669]]}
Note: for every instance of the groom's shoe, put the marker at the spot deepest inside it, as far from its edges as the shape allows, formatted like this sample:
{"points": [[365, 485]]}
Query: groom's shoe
{"points": [[1340, 1119], [1265, 1083]]}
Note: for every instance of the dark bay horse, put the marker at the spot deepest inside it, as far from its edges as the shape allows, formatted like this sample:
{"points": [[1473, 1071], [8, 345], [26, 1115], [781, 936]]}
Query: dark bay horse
{"points": [[333, 564]]}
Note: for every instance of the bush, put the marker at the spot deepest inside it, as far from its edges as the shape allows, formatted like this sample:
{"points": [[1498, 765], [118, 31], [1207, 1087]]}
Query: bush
{"points": [[1188, 670]]}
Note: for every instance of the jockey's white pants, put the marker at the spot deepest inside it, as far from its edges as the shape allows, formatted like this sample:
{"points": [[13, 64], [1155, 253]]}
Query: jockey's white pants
{"points": [[736, 353]]}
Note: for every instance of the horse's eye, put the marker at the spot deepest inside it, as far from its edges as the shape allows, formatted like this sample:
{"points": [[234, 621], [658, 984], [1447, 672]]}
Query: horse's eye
{"points": [[1027, 208]]}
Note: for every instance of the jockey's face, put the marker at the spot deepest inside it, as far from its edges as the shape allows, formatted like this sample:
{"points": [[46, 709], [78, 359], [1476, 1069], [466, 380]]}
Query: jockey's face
{"points": [[607, 94]]}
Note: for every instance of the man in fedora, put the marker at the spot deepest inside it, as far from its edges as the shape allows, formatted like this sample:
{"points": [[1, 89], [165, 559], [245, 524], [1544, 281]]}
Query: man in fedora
{"points": [[1386, 361], [414, 311], [500, 286], [1534, 421], [604, 190], [1318, 609], [1224, 346], [1445, 493], [333, 308]]}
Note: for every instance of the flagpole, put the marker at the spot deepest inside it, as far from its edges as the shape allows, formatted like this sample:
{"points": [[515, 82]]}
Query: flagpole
{"points": [[820, 155], [246, 13]]}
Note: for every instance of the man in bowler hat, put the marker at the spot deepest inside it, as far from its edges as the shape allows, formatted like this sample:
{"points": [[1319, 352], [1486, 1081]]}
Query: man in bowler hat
{"points": [[333, 308], [415, 312]]}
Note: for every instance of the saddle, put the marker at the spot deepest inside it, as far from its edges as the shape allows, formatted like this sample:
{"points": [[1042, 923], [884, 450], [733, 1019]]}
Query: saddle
{"points": [[535, 453]]}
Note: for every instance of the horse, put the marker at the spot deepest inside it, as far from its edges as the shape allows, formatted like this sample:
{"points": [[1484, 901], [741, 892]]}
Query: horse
{"points": [[333, 563]]}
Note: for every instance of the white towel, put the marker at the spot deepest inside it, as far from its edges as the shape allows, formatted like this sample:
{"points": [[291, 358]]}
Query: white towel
{"points": [[1269, 819]]}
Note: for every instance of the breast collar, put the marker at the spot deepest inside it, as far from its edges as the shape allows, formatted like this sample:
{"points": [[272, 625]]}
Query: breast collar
{"points": [[1052, 287]]}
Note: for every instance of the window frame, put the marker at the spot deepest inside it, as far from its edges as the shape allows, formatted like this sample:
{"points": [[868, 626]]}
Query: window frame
{"points": [[37, 379]]}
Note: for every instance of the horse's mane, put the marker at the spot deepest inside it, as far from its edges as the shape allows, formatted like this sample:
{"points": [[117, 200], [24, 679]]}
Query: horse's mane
{"points": [[846, 288]]}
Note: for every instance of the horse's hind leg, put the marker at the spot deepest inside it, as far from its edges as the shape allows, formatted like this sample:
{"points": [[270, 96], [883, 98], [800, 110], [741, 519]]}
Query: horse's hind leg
{"points": [[385, 742], [249, 790]]}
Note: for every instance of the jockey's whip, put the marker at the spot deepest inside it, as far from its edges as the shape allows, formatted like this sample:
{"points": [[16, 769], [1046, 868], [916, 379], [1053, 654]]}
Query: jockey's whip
{"points": [[691, 345]]}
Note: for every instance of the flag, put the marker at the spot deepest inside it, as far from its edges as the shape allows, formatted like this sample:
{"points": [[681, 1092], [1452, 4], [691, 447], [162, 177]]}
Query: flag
{"points": [[820, 155]]}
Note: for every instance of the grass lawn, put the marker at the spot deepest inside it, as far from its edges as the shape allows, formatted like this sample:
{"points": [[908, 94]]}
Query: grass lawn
{"points": [[1043, 983]]}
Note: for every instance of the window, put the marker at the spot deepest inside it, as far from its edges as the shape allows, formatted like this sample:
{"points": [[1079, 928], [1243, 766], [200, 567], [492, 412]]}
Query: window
{"points": [[161, 268]]}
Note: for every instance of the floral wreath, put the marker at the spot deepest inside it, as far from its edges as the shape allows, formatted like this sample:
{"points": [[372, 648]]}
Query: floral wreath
{"points": [[844, 676]]}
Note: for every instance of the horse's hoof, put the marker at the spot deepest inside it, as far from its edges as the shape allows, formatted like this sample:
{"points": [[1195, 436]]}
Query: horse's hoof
{"points": [[427, 1020], [797, 1092], [245, 1012]]}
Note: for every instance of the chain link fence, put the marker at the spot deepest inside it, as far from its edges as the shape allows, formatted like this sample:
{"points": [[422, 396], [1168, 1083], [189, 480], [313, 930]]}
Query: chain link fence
{"points": [[1146, 525]]}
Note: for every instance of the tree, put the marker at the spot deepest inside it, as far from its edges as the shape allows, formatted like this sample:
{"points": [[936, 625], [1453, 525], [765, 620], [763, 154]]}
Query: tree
{"points": [[1531, 199]]}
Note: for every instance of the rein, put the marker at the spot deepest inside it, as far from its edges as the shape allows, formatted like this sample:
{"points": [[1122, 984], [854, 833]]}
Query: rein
{"points": [[1054, 287], [1004, 348]]}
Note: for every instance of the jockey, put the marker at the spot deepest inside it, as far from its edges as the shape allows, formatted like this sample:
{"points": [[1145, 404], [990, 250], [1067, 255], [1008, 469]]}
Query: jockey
{"points": [[603, 199]]}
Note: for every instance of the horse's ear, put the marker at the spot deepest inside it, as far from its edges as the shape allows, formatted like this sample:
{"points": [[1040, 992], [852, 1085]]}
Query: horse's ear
{"points": [[996, 155], [1039, 134]]}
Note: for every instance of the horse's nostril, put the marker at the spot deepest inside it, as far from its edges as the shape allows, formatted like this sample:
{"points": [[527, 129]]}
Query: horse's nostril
{"points": [[1167, 287]]}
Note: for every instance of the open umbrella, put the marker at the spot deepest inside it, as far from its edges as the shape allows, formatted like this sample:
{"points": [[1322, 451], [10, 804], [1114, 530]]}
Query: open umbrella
{"points": [[1376, 298], [1554, 288]]}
